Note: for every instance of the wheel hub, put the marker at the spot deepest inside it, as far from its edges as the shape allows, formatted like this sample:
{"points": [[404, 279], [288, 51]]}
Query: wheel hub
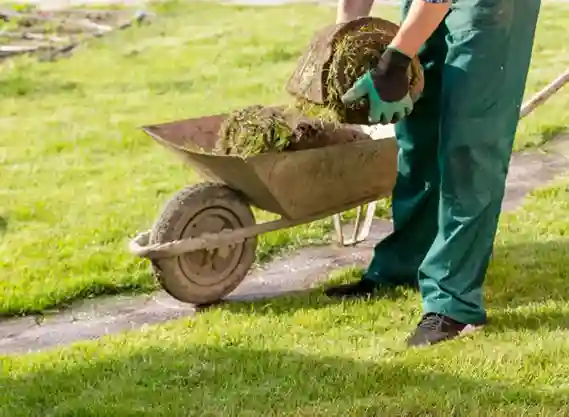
{"points": [[209, 267]]}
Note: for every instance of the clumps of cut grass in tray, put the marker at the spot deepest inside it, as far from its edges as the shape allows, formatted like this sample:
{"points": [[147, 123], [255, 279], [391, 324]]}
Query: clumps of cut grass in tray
{"points": [[254, 130]]}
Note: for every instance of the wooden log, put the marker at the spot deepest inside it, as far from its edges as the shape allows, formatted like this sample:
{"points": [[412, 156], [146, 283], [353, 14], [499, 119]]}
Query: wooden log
{"points": [[11, 50], [33, 36]]}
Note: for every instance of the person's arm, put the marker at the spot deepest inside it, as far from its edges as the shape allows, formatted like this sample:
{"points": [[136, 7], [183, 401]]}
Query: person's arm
{"points": [[349, 10], [387, 85], [423, 18]]}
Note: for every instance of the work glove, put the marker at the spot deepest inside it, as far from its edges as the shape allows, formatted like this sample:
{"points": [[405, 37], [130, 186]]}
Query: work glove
{"points": [[387, 89]]}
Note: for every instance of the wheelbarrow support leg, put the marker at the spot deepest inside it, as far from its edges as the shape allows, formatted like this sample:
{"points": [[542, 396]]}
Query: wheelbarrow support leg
{"points": [[361, 230]]}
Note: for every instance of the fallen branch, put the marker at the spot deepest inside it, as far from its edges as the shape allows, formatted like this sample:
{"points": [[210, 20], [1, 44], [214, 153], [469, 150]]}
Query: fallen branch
{"points": [[88, 24], [33, 36], [10, 50]]}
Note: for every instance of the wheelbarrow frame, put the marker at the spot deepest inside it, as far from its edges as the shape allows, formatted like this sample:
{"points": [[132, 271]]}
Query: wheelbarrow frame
{"points": [[295, 213]]}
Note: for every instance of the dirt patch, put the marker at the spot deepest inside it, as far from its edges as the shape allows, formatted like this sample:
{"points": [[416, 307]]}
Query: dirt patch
{"points": [[311, 134]]}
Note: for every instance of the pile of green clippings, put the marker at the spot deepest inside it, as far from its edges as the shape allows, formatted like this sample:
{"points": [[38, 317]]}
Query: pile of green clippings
{"points": [[254, 130]]}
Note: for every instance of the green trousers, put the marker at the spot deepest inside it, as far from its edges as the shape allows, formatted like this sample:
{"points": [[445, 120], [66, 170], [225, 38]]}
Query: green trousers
{"points": [[455, 150]]}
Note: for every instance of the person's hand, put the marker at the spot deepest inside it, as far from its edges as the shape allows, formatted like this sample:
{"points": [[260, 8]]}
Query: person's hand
{"points": [[387, 89]]}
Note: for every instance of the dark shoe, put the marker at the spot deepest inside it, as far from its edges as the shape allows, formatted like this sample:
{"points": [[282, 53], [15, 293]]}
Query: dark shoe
{"points": [[435, 328], [360, 289]]}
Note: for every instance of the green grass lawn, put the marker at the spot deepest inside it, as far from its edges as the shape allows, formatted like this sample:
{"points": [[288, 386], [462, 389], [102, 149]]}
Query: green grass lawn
{"points": [[309, 356], [77, 176]]}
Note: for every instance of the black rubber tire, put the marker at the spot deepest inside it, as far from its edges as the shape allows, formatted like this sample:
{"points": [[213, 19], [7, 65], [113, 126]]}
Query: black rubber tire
{"points": [[182, 213]]}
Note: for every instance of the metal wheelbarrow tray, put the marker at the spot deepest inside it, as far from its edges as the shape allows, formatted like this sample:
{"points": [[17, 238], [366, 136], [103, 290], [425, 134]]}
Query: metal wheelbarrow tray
{"points": [[203, 243]]}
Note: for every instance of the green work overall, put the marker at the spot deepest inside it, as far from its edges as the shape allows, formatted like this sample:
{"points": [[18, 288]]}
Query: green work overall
{"points": [[455, 150]]}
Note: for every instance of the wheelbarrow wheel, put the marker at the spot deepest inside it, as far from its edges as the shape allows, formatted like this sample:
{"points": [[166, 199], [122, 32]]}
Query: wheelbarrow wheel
{"points": [[203, 277]]}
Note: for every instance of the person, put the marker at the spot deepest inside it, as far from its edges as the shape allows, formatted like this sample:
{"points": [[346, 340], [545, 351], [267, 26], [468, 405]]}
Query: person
{"points": [[455, 145]]}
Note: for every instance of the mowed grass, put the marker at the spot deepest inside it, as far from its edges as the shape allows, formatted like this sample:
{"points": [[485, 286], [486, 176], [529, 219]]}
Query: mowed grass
{"points": [[306, 355], [78, 178]]}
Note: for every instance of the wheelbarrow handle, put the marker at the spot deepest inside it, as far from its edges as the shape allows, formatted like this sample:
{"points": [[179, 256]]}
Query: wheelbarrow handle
{"points": [[544, 95], [138, 246], [141, 246]]}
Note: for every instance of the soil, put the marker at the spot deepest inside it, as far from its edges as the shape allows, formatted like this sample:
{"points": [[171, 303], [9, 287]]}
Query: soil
{"points": [[357, 48], [311, 134]]}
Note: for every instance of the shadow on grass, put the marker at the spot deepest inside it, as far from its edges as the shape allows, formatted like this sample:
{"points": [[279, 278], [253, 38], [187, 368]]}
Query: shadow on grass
{"points": [[145, 285], [513, 320], [548, 134], [21, 86], [236, 381], [535, 272], [528, 286], [3, 226], [520, 275], [291, 302]]}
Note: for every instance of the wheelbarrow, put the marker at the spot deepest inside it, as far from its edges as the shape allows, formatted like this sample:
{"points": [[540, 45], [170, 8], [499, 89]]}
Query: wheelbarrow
{"points": [[204, 242]]}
